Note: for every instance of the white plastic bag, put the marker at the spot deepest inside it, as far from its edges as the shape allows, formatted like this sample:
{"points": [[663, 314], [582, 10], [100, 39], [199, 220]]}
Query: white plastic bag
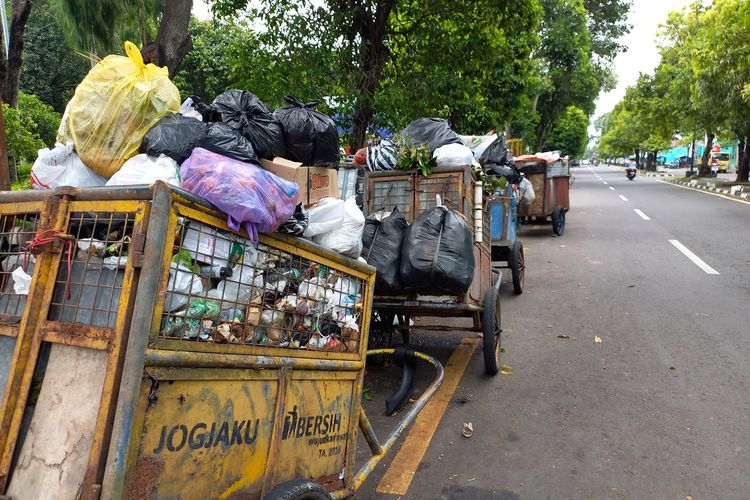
{"points": [[326, 216], [453, 155], [144, 169], [61, 166], [527, 191], [21, 281], [347, 237], [183, 284], [187, 109]]}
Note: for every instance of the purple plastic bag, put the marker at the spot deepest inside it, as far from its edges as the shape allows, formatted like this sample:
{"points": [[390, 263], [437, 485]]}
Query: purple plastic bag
{"points": [[248, 194]]}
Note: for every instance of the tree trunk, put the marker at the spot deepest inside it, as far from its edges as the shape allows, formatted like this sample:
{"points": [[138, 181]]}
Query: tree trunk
{"points": [[705, 170], [21, 10], [373, 56], [743, 160], [4, 168], [173, 36], [637, 158]]}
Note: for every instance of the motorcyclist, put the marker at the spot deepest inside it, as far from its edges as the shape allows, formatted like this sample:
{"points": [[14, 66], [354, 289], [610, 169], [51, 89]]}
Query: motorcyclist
{"points": [[630, 168]]}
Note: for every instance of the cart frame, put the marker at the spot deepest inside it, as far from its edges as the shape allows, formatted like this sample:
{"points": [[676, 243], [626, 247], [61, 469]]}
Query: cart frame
{"points": [[551, 182]]}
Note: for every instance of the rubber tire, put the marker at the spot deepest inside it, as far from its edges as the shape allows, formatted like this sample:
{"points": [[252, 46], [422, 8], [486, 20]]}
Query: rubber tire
{"points": [[517, 264], [299, 489], [491, 325], [558, 221]]}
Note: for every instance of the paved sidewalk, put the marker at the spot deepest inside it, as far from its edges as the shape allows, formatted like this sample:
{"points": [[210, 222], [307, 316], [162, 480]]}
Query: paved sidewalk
{"points": [[726, 188]]}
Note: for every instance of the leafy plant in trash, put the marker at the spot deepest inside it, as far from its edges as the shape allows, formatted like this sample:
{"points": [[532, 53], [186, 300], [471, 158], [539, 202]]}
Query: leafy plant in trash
{"points": [[414, 156]]}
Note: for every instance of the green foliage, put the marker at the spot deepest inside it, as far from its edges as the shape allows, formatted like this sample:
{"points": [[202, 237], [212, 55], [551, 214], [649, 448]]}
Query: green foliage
{"points": [[414, 156], [477, 78], [30, 127], [219, 52], [102, 26], [51, 69], [570, 133]]}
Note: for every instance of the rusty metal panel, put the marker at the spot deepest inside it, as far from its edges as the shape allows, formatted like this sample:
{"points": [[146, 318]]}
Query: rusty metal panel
{"points": [[389, 192], [561, 188], [449, 186], [318, 428], [216, 434]]}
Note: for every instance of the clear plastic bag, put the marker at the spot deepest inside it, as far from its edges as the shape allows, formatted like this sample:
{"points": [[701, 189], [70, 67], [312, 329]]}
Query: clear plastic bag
{"points": [[249, 195], [453, 155], [61, 166], [114, 106]]}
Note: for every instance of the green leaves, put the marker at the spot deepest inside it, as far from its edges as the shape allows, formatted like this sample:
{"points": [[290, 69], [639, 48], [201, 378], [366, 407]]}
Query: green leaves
{"points": [[414, 156]]}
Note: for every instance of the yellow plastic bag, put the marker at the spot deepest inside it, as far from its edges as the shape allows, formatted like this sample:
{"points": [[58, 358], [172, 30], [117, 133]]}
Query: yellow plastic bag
{"points": [[114, 106]]}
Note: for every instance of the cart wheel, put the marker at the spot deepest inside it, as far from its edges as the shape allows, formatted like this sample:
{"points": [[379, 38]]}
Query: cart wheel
{"points": [[299, 489], [491, 331], [558, 221], [517, 266]]}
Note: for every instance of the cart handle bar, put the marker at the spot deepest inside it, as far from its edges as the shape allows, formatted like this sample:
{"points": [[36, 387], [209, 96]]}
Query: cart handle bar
{"points": [[381, 451]]}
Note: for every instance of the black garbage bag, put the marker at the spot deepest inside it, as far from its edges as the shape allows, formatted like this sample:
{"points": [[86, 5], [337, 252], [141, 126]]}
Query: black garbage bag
{"points": [[175, 136], [381, 247], [434, 132], [206, 111], [244, 112], [310, 137], [437, 256], [223, 139], [497, 153]]}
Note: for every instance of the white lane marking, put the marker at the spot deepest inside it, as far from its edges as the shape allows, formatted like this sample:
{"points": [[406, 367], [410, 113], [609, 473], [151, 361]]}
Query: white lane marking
{"points": [[610, 187], [643, 216], [704, 192], [605, 182], [623, 198], [696, 260]]}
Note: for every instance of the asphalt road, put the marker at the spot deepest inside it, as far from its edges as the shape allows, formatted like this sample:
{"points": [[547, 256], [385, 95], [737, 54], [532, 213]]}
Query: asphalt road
{"points": [[660, 409]]}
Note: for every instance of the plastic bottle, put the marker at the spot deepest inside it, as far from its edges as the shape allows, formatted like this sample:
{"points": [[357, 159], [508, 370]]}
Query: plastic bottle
{"points": [[216, 271]]}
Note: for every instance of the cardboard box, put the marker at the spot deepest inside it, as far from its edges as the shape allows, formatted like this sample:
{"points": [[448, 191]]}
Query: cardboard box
{"points": [[314, 182]]}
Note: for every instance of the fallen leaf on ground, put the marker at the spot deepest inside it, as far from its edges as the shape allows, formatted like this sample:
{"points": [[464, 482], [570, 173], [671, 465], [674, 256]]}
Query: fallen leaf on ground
{"points": [[673, 368], [597, 339], [548, 326], [502, 349], [563, 246], [587, 298], [563, 336], [631, 286], [468, 430], [506, 370]]}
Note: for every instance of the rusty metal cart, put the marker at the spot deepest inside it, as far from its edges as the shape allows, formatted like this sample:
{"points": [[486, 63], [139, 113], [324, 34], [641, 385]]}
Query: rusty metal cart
{"points": [[551, 182], [136, 373], [507, 251], [413, 193]]}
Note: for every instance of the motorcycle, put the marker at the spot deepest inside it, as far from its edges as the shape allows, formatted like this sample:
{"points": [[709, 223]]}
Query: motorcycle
{"points": [[630, 172]]}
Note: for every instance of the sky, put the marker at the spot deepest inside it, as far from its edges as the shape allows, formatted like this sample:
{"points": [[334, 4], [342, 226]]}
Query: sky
{"points": [[642, 56]]}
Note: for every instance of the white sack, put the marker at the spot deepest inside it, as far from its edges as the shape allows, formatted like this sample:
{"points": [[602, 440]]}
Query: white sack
{"points": [[144, 169], [61, 166]]}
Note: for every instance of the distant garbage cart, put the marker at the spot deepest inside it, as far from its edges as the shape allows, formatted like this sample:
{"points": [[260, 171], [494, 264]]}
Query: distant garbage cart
{"points": [[550, 176]]}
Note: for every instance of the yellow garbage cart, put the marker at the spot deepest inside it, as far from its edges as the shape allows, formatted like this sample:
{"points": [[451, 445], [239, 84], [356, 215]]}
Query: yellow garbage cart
{"points": [[154, 353]]}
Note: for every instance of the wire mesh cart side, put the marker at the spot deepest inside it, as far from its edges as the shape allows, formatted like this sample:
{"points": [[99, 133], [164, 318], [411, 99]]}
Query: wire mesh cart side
{"points": [[507, 250], [412, 194], [551, 182]]}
